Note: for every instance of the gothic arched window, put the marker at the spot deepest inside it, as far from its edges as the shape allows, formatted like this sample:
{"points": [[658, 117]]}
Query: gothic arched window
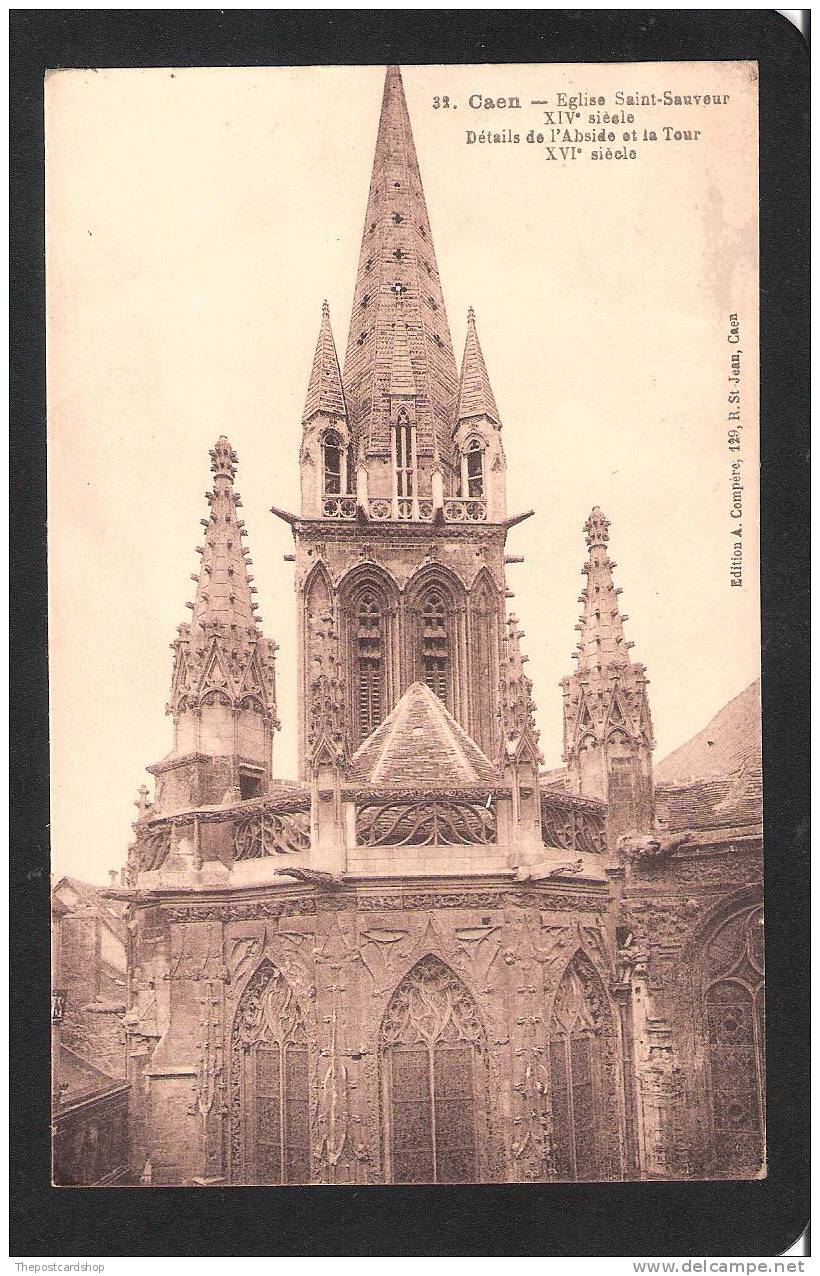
{"points": [[332, 453], [433, 1055], [473, 471], [580, 1058], [404, 455], [435, 652], [369, 663], [270, 1083], [733, 1008]]}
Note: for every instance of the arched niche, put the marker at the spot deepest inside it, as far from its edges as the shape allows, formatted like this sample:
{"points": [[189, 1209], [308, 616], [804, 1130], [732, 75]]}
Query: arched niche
{"points": [[485, 621]]}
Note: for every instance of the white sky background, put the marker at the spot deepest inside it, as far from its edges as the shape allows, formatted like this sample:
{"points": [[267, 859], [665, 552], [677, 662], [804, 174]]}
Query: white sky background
{"points": [[196, 220]]}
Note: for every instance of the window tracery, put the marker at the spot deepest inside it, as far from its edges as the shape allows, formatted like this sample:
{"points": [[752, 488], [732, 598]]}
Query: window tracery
{"points": [[433, 1054], [270, 1083], [735, 1026], [581, 1080]]}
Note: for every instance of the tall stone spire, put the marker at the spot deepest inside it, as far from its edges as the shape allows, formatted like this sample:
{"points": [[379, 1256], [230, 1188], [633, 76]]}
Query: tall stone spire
{"points": [[223, 697], [608, 738], [398, 283]]}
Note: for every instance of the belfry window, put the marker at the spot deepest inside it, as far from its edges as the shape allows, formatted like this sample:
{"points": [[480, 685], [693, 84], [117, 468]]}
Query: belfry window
{"points": [[332, 453], [473, 473], [369, 666], [404, 454], [435, 644]]}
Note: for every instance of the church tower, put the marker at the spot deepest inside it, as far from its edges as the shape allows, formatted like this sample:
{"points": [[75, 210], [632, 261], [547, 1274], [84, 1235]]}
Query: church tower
{"points": [[223, 696], [400, 538], [608, 739]]}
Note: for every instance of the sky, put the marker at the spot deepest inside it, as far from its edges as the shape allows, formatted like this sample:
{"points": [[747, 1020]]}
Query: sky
{"points": [[196, 220]]}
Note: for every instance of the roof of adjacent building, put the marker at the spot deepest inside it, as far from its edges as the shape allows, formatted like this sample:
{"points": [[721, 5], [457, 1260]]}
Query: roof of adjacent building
{"points": [[90, 899], [715, 780], [420, 743], [80, 1080], [729, 741]]}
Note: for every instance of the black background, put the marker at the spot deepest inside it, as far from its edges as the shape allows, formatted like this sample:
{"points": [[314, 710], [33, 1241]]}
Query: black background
{"points": [[721, 1218]]}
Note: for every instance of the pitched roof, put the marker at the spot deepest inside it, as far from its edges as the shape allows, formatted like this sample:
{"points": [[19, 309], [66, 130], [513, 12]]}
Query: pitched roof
{"points": [[420, 743], [324, 393], [731, 802], [110, 912], [475, 394], [730, 740], [398, 283], [80, 1079]]}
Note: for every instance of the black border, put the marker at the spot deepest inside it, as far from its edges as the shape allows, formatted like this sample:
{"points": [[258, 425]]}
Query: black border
{"points": [[759, 1218]]}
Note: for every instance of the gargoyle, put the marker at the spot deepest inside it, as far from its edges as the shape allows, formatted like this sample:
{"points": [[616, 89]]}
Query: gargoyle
{"points": [[651, 847], [316, 875], [565, 870]]}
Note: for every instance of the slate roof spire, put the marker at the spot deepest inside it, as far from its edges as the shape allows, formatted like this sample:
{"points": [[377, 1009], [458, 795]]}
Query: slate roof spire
{"points": [[398, 284], [325, 393], [475, 394]]}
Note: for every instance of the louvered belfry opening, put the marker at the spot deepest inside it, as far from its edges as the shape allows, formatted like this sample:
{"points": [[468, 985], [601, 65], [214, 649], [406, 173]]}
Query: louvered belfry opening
{"points": [[369, 657], [435, 644], [433, 1059]]}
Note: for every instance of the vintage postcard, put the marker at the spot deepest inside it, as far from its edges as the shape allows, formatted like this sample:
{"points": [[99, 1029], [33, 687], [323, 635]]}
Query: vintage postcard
{"points": [[447, 866]]}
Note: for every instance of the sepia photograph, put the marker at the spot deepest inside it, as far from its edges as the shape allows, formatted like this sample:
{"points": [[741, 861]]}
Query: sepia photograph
{"points": [[407, 810]]}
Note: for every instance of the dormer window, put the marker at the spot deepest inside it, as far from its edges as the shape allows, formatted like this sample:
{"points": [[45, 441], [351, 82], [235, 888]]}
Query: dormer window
{"points": [[404, 454], [472, 475], [332, 453]]}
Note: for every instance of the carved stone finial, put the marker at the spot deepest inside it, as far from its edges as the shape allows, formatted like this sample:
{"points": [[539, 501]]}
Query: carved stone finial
{"points": [[223, 459], [596, 528]]}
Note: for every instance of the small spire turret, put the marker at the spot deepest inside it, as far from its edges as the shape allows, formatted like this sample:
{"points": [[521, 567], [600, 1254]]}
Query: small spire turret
{"points": [[608, 738], [479, 453], [223, 694]]}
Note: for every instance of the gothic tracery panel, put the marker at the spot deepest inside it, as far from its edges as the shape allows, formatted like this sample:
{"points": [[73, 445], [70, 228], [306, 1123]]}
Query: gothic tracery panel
{"points": [[734, 1021], [433, 1056], [585, 1117], [270, 1114]]}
